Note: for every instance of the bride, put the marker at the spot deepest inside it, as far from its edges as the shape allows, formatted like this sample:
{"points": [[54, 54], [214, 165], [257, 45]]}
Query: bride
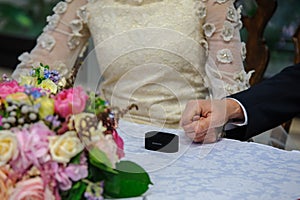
{"points": [[158, 54]]}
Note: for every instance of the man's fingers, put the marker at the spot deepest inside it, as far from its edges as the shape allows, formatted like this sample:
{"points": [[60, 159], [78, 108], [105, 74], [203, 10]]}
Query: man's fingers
{"points": [[196, 129], [200, 119], [186, 121], [199, 138], [202, 131], [196, 118], [191, 112], [210, 136]]}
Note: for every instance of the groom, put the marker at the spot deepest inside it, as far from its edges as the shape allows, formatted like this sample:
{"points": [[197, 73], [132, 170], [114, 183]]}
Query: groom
{"points": [[247, 113]]}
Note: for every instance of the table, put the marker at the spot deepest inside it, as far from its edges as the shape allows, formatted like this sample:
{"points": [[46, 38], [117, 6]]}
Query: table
{"points": [[228, 169]]}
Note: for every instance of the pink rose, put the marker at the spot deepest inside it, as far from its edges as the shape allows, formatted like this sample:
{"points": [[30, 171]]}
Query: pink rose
{"points": [[31, 189], [120, 144], [10, 87], [70, 101]]}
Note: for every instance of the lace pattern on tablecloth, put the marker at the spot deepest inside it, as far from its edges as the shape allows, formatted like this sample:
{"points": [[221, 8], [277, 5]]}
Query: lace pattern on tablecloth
{"points": [[228, 169]]}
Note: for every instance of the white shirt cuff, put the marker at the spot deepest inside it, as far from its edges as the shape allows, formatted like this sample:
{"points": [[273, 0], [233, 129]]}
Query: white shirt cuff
{"points": [[232, 125]]}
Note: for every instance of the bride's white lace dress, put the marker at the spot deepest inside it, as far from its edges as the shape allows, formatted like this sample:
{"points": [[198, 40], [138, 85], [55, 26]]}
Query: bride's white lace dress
{"points": [[157, 54]]}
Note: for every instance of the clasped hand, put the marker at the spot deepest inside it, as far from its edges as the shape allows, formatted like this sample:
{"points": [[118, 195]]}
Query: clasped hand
{"points": [[203, 120]]}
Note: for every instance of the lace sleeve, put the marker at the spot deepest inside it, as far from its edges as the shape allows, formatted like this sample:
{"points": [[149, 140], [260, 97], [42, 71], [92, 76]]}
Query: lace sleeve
{"points": [[62, 40], [224, 66]]}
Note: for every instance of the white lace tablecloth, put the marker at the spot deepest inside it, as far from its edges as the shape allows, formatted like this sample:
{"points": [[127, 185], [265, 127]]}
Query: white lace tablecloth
{"points": [[228, 169]]}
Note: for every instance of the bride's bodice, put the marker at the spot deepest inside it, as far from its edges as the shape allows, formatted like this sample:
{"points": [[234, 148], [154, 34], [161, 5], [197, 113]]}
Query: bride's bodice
{"points": [[109, 18], [149, 55]]}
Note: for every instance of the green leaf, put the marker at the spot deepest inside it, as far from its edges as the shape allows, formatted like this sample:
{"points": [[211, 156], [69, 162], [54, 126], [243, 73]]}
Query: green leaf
{"points": [[75, 193], [99, 159], [131, 181], [96, 175], [76, 159], [96, 104], [37, 72]]}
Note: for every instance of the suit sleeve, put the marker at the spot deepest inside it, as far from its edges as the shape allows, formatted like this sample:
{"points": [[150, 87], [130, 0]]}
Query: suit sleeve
{"points": [[269, 103]]}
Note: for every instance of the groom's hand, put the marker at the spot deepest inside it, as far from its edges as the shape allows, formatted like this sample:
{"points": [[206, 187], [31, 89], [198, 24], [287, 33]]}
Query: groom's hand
{"points": [[202, 120]]}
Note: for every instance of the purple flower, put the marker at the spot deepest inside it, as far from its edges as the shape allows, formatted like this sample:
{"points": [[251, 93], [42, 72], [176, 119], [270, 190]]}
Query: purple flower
{"points": [[59, 175], [94, 190], [5, 78], [62, 178], [54, 76], [33, 146], [83, 159], [76, 172], [48, 171], [54, 72], [55, 123], [54, 174]]}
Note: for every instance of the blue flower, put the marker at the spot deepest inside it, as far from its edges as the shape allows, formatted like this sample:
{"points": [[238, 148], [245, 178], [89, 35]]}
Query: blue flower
{"points": [[32, 72], [47, 74], [27, 89], [36, 94]]}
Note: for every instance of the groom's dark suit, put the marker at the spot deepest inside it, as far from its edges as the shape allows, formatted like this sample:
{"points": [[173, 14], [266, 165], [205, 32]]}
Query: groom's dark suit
{"points": [[269, 103]]}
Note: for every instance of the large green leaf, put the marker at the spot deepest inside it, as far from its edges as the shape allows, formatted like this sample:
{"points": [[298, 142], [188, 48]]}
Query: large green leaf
{"points": [[131, 181], [99, 159], [96, 174], [75, 193]]}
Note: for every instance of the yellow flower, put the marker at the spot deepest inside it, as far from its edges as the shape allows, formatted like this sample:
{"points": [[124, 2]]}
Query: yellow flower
{"points": [[62, 82], [28, 80], [48, 85], [8, 146], [19, 96], [64, 147], [47, 106]]}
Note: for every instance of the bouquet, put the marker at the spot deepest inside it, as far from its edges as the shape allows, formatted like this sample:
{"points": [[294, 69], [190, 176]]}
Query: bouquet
{"points": [[61, 143]]}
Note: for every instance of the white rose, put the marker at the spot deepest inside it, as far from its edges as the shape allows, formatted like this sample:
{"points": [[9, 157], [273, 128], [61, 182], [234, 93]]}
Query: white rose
{"points": [[8, 146], [64, 147]]}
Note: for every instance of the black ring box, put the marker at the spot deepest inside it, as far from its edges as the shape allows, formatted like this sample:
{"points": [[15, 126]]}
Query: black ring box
{"points": [[161, 141]]}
